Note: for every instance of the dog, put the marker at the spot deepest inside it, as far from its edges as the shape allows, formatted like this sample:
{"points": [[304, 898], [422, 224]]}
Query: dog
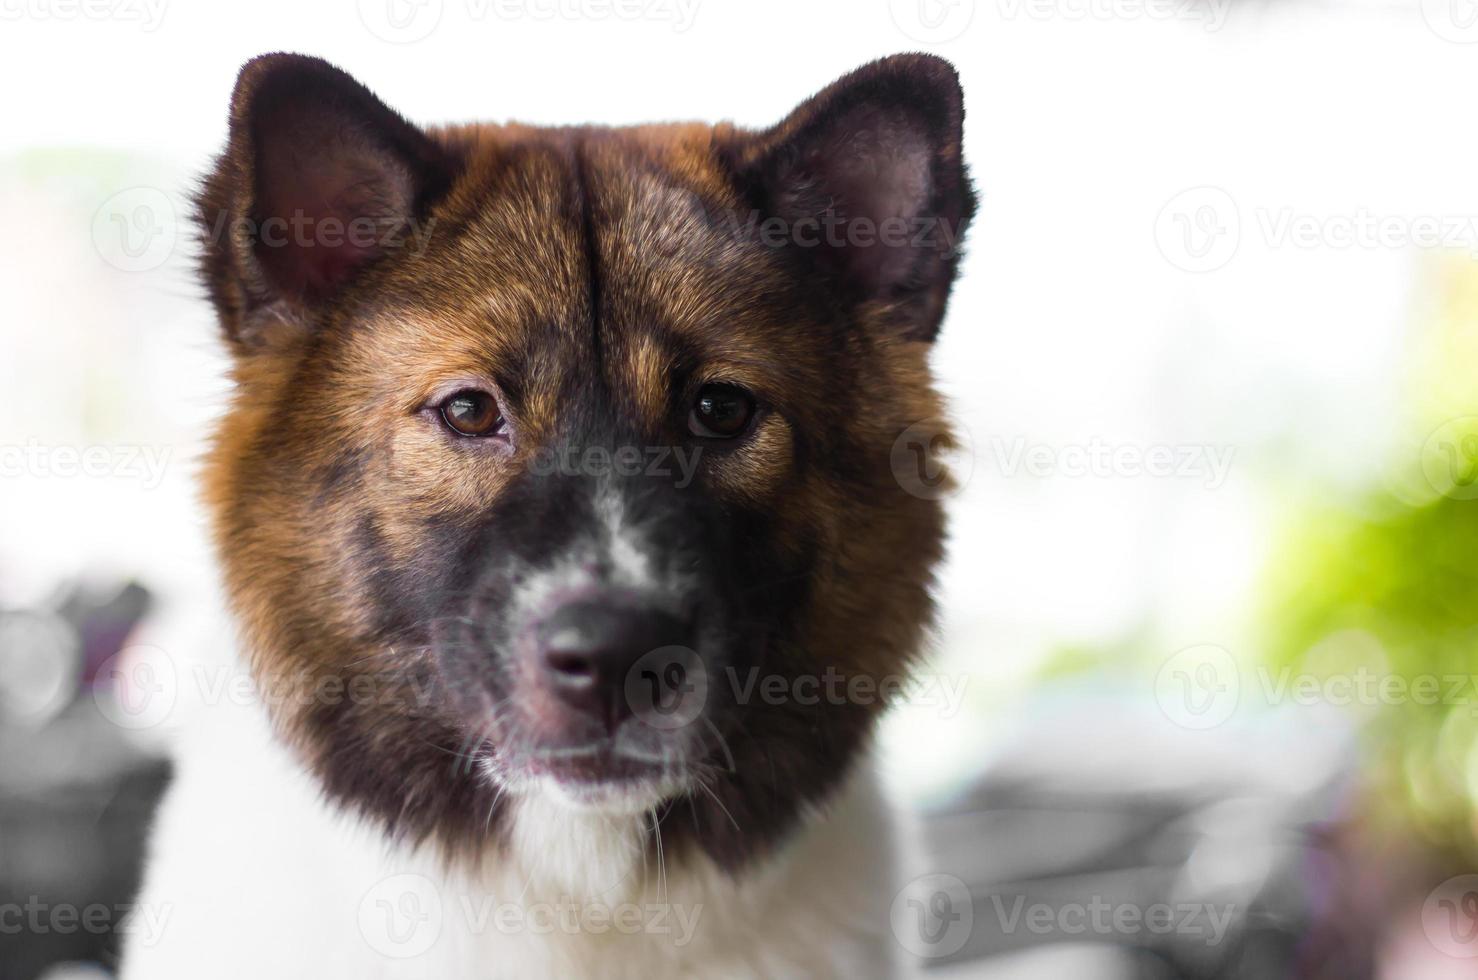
{"points": [[560, 512]]}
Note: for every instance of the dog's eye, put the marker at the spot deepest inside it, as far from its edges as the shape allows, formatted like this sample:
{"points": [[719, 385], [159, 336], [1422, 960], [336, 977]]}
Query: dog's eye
{"points": [[721, 412], [472, 413]]}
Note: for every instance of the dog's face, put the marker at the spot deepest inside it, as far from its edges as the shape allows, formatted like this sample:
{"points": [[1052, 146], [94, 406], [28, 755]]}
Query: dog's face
{"points": [[560, 461]]}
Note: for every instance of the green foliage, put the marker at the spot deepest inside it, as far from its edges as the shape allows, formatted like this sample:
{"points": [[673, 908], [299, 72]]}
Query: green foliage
{"points": [[1391, 586], [1395, 593]]}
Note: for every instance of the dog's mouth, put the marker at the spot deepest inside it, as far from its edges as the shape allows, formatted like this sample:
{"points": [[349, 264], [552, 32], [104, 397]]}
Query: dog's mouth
{"points": [[605, 776], [599, 762]]}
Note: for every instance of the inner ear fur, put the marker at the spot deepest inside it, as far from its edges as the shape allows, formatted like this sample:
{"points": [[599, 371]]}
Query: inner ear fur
{"points": [[319, 179], [869, 181]]}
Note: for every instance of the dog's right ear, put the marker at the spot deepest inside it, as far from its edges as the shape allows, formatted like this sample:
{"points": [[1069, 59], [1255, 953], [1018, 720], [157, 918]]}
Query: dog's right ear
{"points": [[319, 179]]}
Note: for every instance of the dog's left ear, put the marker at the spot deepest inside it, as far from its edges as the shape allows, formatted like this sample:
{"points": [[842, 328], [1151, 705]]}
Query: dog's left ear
{"points": [[869, 182]]}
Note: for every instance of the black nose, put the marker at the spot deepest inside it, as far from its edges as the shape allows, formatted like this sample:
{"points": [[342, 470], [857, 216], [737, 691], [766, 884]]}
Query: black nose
{"points": [[587, 650]]}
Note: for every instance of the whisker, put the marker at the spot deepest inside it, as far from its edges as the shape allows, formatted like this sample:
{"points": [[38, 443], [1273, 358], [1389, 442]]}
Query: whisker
{"points": [[718, 803]]}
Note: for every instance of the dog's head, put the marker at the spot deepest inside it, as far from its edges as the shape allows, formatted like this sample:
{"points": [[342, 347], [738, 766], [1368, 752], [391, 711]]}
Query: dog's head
{"points": [[563, 460]]}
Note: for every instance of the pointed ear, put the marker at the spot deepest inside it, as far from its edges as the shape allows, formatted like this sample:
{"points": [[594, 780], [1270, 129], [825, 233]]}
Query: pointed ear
{"points": [[869, 181], [319, 179]]}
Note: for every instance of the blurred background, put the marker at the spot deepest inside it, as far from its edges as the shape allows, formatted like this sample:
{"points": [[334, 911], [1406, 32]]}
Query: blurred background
{"points": [[1202, 702]]}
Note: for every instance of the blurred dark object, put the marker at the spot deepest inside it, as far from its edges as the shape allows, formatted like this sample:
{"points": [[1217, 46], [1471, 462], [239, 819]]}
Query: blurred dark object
{"points": [[103, 623], [76, 794], [1146, 850]]}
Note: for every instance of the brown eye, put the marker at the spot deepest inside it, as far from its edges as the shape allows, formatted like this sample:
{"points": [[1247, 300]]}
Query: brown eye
{"points": [[721, 412], [472, 413]]}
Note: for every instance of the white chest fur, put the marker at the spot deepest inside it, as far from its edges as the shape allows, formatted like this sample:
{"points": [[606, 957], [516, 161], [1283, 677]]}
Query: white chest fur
{"points": [[252, 874]]}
